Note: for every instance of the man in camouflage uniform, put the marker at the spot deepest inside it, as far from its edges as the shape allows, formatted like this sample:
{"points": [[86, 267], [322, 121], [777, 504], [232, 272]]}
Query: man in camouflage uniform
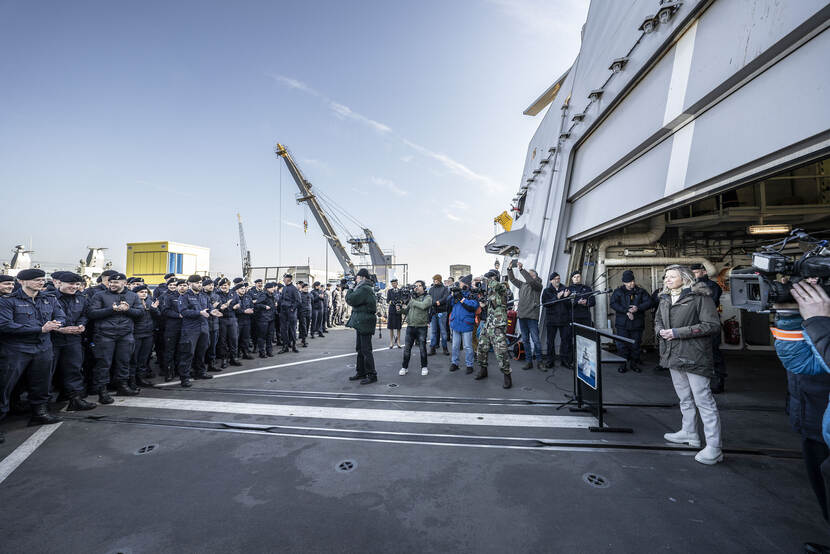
{"points": [[495, 329]]}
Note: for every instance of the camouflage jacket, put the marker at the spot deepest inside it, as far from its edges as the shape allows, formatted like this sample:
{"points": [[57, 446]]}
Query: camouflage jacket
{"points": [[496, 304]]}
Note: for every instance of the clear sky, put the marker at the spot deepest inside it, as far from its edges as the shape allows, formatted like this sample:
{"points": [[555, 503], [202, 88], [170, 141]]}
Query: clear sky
{"points": [[140, 121]]}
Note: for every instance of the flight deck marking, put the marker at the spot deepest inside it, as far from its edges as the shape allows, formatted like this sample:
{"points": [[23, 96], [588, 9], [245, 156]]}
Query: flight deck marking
{"points": [[19, 455], [255, 369], [362, 414]]}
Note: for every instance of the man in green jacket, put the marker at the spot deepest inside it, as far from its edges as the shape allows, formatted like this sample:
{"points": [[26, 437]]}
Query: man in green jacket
{"points": [[363, 301], [417, 323]]}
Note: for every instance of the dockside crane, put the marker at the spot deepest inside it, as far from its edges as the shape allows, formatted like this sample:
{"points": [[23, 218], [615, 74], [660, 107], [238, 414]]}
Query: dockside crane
{"points": [[311, 201], [243, 249]]}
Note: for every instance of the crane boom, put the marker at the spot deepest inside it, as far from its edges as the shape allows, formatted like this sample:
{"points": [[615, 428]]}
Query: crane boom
{"points": [[311, 200], [243, 248]]}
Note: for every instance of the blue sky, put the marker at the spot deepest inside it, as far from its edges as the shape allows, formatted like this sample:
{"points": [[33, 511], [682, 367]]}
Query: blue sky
{"points": [[123, 122]]}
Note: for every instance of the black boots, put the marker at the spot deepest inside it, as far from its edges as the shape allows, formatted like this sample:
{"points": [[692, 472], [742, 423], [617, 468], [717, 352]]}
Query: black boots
{"points": [[104, 397], [482, 373], [294, 349], [262, 355], [124, 389], [41, 416], [140, 382], [431, 351], [446, 352], [186, 384], [202, 376], [283, 350], [634, 366], [453, 367], [469, 370], [246, 356], [78, 404], [222, 365], [234, 363], [369, 379], [357, 377], [305, 344], [508, 381]]}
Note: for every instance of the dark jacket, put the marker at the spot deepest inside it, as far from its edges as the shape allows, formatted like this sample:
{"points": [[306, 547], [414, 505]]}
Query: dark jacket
{"points": [[714, 288], [305, 303], [92, 291], [622, 299], [191, 306], [231, 299], [74, 308], [144, 324], [557, 314], [289, 300], [262, 302], [316, 299], [529, 291], [818, 329], [245, 303], [582, 313], [108, 322], [463, 312], [693, 318], [22, 319], [440, 294], [363, 301]]}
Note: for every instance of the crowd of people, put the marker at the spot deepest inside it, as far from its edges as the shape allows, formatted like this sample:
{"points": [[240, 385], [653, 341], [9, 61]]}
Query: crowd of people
{"points": [[61, 334]]}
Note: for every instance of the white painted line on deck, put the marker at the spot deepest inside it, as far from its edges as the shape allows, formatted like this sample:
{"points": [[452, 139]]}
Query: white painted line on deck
{"points": [[362, 414], [13, 460], [255, 369]]}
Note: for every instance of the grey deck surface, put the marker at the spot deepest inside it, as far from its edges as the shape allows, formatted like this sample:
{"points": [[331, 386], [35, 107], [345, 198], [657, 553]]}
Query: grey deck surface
{"points": [[235, 482]]}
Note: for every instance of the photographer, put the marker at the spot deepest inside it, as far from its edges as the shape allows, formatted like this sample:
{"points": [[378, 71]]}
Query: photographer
{"points": [[802, 343], [363, 320], [417, 320], [528, 312], [462, 306], [394, 319]]}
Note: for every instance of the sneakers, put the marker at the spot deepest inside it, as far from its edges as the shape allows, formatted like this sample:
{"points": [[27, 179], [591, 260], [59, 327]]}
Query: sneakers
{"points": [[424, 372], [682, 437], [403, 371], [709, 456], [453, 367]]}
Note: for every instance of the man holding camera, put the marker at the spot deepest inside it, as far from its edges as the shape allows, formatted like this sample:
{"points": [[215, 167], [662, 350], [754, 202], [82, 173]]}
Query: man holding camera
{"points": [[440, 294], [417, 320], [495, 329], [530, 289], [462, 306], [363, 301]]}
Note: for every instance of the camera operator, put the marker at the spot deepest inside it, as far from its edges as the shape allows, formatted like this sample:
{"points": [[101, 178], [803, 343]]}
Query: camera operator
{"points": [[363, 301], [802, 343], [462, 306], [394, 318], [530, 290], [417, 321]]}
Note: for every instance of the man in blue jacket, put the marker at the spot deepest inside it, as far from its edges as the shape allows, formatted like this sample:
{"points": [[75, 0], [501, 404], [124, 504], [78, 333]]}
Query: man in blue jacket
{"points": [[67, 343], [630, 303], [27, 318], [194, 307], [114, 311], [462, 308]]}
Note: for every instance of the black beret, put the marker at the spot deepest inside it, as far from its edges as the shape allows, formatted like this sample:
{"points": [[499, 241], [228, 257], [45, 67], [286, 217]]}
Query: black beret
{"points": [[316, 283], [238, 286], [98, 280], [258, 281], [130, 279], [109, 273], [181, 281], [172, 280], [696, 266], [270, 285], [553, 276], [364, 273], [221, 281], [206, 282], [287, 276], [577, 272], [140, 288], [194, 279], [29, 274], [169, 275], [492, 274], [58, 275], [6, 278], [117, 277], [69, 277], [467, 280], [138, 279], [280, 285], [627, 276], [394, 280], [237, 280]]}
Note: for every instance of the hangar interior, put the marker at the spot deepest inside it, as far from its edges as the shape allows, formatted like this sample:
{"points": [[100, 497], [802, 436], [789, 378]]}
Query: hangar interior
{"points": [[713, 230]]}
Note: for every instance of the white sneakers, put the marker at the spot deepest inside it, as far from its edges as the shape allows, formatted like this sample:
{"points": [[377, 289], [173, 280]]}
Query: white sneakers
{"points": [[404, 371], [709, 456], [682, 437]]}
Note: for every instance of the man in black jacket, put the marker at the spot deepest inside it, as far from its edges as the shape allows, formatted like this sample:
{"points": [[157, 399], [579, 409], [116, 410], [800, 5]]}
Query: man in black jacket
{"points": [[265, 308], [169, 306], [718, 382], [194, 307], [228, 304], [304, 313], [244, 318], [440, 296], [557, 316], [317, 309], [289, 302], [67, 346], [580, 307], [630, 303], [113, 312], [143, 336]]}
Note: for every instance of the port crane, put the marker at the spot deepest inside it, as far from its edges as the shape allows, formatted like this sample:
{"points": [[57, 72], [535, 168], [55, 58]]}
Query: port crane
{"points": [[360, 245], [243, 248]]}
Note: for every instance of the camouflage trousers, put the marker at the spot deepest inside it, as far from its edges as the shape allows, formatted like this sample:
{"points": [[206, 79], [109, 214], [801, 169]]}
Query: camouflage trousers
{"points": [[497, 338]]}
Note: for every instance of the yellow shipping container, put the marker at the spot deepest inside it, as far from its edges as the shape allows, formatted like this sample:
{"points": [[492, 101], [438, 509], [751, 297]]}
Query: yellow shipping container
{"points": [[152, 260]]}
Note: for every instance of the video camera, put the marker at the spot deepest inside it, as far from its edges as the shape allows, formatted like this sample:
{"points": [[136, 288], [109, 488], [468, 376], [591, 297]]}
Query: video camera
{"points": [[755, 289]]}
